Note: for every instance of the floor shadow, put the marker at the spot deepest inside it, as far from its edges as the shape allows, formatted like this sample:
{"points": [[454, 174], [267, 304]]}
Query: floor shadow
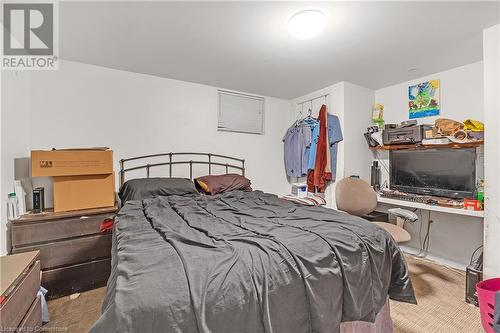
{"points": [[427, 268], [421, 272]]}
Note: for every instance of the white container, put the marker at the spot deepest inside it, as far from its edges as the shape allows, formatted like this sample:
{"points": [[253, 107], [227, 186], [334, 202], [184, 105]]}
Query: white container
{"points": [[299, 190]]}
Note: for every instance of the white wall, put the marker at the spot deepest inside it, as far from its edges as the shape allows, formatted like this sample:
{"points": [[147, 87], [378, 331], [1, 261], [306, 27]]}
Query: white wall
{"points": [[452, 238], [358, 104], [461, 95], [491, 52], [15, 135], [82, 105]]}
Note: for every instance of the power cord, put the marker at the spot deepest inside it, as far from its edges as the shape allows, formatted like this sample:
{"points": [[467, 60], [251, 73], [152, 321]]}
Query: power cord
{"points": [[420, 232], [424, 246], [386, 168], [478, 262], [427, 236]]}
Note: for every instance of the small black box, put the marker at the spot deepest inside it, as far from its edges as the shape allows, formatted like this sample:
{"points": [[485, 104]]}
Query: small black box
{"points": [[472, 277], [38, 200]]}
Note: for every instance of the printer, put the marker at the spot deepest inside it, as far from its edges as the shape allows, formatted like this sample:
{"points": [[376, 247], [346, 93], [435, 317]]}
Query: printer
{"points": [[404, 133]]}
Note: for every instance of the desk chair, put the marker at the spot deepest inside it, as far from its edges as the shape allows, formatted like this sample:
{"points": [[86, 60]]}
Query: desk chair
{"points": [[357, 197]]}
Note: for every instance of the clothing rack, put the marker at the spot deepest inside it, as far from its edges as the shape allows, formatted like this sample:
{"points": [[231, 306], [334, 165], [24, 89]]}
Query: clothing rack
{"points": [[301, 104], [313, 99]]}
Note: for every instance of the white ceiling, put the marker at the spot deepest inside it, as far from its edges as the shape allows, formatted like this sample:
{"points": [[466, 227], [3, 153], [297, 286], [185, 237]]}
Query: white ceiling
{"points": [[245, 46]]}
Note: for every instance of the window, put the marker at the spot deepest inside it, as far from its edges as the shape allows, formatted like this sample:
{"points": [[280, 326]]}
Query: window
{"points": [[240, 113]]}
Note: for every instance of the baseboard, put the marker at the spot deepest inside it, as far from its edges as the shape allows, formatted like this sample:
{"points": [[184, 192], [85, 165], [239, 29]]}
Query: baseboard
{"points": [[435, 258]]}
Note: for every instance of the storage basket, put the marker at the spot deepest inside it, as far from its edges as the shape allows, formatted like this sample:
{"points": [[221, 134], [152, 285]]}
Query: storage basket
{"points": [[486, 296]]}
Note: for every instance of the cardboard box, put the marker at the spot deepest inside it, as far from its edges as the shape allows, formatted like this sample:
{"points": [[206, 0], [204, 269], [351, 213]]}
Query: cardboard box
{"points": [[71, 162], [83, 192]]}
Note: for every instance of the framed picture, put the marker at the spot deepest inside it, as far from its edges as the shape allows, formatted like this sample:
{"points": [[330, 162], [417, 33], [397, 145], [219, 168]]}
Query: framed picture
{"points": [[423, 99]]}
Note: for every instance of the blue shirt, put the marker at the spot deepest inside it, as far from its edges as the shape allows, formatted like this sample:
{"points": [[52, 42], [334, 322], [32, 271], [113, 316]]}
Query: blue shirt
{"points": [[297, 141], [334, 137], [314, 146]]}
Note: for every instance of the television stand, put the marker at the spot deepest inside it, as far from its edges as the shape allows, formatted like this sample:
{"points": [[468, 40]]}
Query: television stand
{"points": [[420, 203]]}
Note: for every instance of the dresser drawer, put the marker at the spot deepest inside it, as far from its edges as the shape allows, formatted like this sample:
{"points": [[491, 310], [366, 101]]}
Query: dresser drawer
{"points": [[17, 304], [71, 251], [33, 319], [76, 278], [44, 231]]}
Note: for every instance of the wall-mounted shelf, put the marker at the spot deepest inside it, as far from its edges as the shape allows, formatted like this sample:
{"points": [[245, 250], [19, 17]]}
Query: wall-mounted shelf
{"points": [[421, 146]]}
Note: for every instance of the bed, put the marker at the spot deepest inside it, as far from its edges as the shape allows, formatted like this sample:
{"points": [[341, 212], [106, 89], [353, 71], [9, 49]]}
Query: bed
{"points": [[246, 262]]}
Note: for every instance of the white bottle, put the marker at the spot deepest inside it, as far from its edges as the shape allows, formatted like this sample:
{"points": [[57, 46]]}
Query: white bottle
{"points": [[12, 207]]}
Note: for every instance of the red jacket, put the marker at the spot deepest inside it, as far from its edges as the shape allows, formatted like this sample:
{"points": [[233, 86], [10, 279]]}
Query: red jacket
{"points": [[318, 178]]}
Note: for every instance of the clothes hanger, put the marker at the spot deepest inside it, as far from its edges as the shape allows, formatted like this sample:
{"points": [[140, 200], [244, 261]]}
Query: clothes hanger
{"points": [[300, 116], [309, 115]]}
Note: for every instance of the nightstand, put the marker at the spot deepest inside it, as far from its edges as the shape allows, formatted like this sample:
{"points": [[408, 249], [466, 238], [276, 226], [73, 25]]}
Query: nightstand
{"points": [[74, 255], [20, 307]]}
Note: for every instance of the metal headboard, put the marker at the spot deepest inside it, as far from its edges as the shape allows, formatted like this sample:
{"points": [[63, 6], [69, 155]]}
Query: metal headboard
{"points": [[172, 162]]}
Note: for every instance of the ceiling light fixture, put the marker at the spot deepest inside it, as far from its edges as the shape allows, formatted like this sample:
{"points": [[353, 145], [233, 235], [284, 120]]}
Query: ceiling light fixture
{"points": [[306, 24]]}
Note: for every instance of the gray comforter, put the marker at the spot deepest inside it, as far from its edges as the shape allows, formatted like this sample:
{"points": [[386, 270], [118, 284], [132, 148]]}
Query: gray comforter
{"points": [[246, 262]]}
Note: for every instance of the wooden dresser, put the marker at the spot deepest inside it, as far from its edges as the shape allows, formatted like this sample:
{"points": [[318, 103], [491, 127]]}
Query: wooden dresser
{"points": [[74, 254], [20, 307]]}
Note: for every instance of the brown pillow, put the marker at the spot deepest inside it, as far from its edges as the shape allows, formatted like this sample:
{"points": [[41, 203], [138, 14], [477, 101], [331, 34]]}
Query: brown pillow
{"points": [[222, 183]]}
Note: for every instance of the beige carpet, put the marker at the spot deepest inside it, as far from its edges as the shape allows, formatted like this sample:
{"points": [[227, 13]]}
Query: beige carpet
{"points": [[441, 307], [440, 293], [77, 315]]}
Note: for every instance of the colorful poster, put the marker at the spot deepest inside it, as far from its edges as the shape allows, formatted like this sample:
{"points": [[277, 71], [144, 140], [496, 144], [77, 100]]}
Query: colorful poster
{"points": [[424, 99]]}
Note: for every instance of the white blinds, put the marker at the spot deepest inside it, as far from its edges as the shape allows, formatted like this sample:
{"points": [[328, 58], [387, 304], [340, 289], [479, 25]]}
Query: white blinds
{"points": [[240, 113]]}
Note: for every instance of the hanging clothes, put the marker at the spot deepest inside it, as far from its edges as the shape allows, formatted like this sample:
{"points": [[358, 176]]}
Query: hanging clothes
{"points": [[314, 145], [297, 140], [306, 133], [318, 178], [328, 166], [334, 137], [311, 149], [331, 138]]}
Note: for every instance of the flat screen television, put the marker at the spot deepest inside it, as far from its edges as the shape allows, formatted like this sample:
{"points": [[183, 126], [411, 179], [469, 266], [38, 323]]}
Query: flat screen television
{"points": [[438, 172]]}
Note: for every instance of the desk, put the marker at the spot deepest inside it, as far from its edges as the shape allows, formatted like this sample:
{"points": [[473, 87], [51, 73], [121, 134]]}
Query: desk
{"points": [[418, 205]]}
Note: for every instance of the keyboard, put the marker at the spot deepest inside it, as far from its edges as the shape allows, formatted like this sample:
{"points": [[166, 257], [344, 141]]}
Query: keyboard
{"points": [[424, 199]]}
